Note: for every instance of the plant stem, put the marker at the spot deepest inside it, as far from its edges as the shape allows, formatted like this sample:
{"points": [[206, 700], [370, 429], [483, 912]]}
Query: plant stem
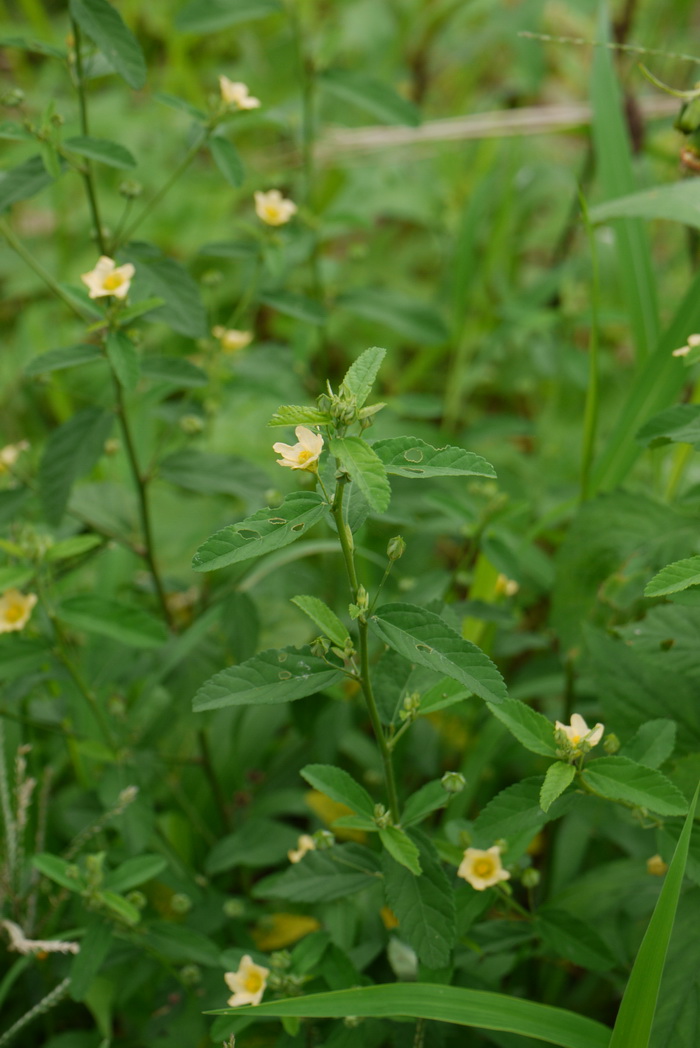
{"points": [[590, 418], [33, 263], [86, 171], [48, 1002], [365, 678]]}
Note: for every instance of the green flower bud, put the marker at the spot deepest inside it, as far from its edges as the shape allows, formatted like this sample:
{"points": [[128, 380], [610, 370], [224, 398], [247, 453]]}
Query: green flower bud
{"points": [[234, 908], [12, 98], [191, 424], [137, 899], [381, 816], [323, 839], [180, 903], [281, 960], [191, 974], [396, 548], [130, 189], [611, 743], [530, 877], [453, 782]]}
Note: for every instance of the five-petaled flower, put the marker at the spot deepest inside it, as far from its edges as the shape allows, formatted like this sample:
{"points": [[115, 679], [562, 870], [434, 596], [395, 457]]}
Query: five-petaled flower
{"points": [[236, 95], [274, 209], [15, 609], [305, 844], [10, 453], [305, 454], [107, 278], [232, 340], [248, 983], [577, 736], [482, 868]]}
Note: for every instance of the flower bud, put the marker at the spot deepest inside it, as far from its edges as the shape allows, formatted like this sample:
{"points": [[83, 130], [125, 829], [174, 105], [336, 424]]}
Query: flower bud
{"points": [[191, 424], [611, 743], [396, 547], [323, 839], [319, 647], [137, 899], [191, 974], [130, 189], [234, 908], [530, 877], [12, 98], [381, 816], [453, 782], [280, 960], [180, 903]]}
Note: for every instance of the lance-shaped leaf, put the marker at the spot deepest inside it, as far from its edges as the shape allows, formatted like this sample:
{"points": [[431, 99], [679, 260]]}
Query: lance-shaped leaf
{"points": [[412, 457], [124, 359], [227, 160], [65, 357], [23, 181], [529, 727], [102, 150], [208, 16], [370, 95], [265, 531], [273, 676], [679, 424], [424, 638], [168, 279], [558, 777], [423, 802], [620, 779], [361, 374], [299, 415], [322, 876], [424, 905], [300, 307], [104, 25], [110, 618], [340, 787], [401, 848], [321, 614], [365, 469], [674, 578], [161, 367], [72, 449]]}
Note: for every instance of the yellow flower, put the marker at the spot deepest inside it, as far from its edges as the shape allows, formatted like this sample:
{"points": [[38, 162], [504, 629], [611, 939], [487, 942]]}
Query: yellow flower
{"points": [[305, 454], [692, 343], [232, 340], [15, 609], [107, 278], [304, 844], [236, 95], [10, 453], [277, 930], [656, 866], [483, 869], [248, 983], [273, 208], [580, 737]]}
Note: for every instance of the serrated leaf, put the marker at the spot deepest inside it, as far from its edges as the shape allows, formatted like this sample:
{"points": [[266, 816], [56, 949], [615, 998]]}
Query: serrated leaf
{"points": [[365, 469], [124, 359], [299, 415], [301, 307], [208, 16], [102, 150], [413, 458], [258, 843], [125, 623], [94, 947], [530, 728], [424, 638], [576, 940], [339, 786], [71, 450], [66, 357], [323, 876], [360, 376], [58, 870], [424, 905], [105, 27], [620, 779], [227, 160], [557, 778], [177, 370], [370, 95], [265, 531], [401, 848], [168, 279], [652, 744], [321, 614], [212, 474], [133, 872], [674, 578], [423, 802], [679, 424], [23, 181], [271, 677], [515, 815], [416, 321]]}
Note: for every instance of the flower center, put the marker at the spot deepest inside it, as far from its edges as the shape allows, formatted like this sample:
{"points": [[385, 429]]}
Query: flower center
{"points": [[253, 982], [575, 739], [484, 867], [305, 455], [113, 281], [14, 613]]}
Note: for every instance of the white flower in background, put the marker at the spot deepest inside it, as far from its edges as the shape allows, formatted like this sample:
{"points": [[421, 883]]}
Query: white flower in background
{"points": [[10, 453], [580, 737], [248, 983], [236, 95], [692, 343], [305, 454], [107, 278], [274, 209], [304, 844], [15, 609], [483, 869], [232, 340]]}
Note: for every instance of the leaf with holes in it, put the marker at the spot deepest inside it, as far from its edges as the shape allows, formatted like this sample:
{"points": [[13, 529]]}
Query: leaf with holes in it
{"points": [[424, 638], [268, 678], [412, 457], [265, 531], [361, 374], [365, 469]]}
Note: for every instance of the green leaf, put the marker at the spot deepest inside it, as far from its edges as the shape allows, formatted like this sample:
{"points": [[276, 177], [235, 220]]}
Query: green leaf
{"points": [[75, 546], [71, 450], [173, 102], [66, 357], [370, 95], [480, 1009], [360, 376], [20, 655], [515, 815], [299, 415], [424, 905], [365, 470], [208, 16], [556, 780], [102, 150], [125, 623], [653, 743], [323, 876], [621, 779], [23, 182], [23, 43], [576, 940], [676, 201], [423, 802], [94, 948], [258, 843], [534, 731], [178, 371], [105, 27], [58, 870], [424, 638], [677, 1017], [265, 531], [679, 425], [413, 458], [134, 872], [178, 942], [120, 906], [401, 848], [238, 249], [636, 1015], [674, 578], [183, 311], [327, 620], [15, 576], [298, 306], [137, 310], [14, 132], [227, 160], [212, 474], [416, 321], [123, 357], [340, 787], [273, 676]]}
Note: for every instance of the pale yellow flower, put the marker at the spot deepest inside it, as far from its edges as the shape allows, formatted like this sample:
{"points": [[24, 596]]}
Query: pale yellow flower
{"points": [[107, 278], [274, 209], [656, 866], [248, 983], [692, 343], [305, 454], [581, 738], [482, 868], [304, 844], [236, 95], [232, 340], [15, 609], [10, 453], [506, 586]]}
